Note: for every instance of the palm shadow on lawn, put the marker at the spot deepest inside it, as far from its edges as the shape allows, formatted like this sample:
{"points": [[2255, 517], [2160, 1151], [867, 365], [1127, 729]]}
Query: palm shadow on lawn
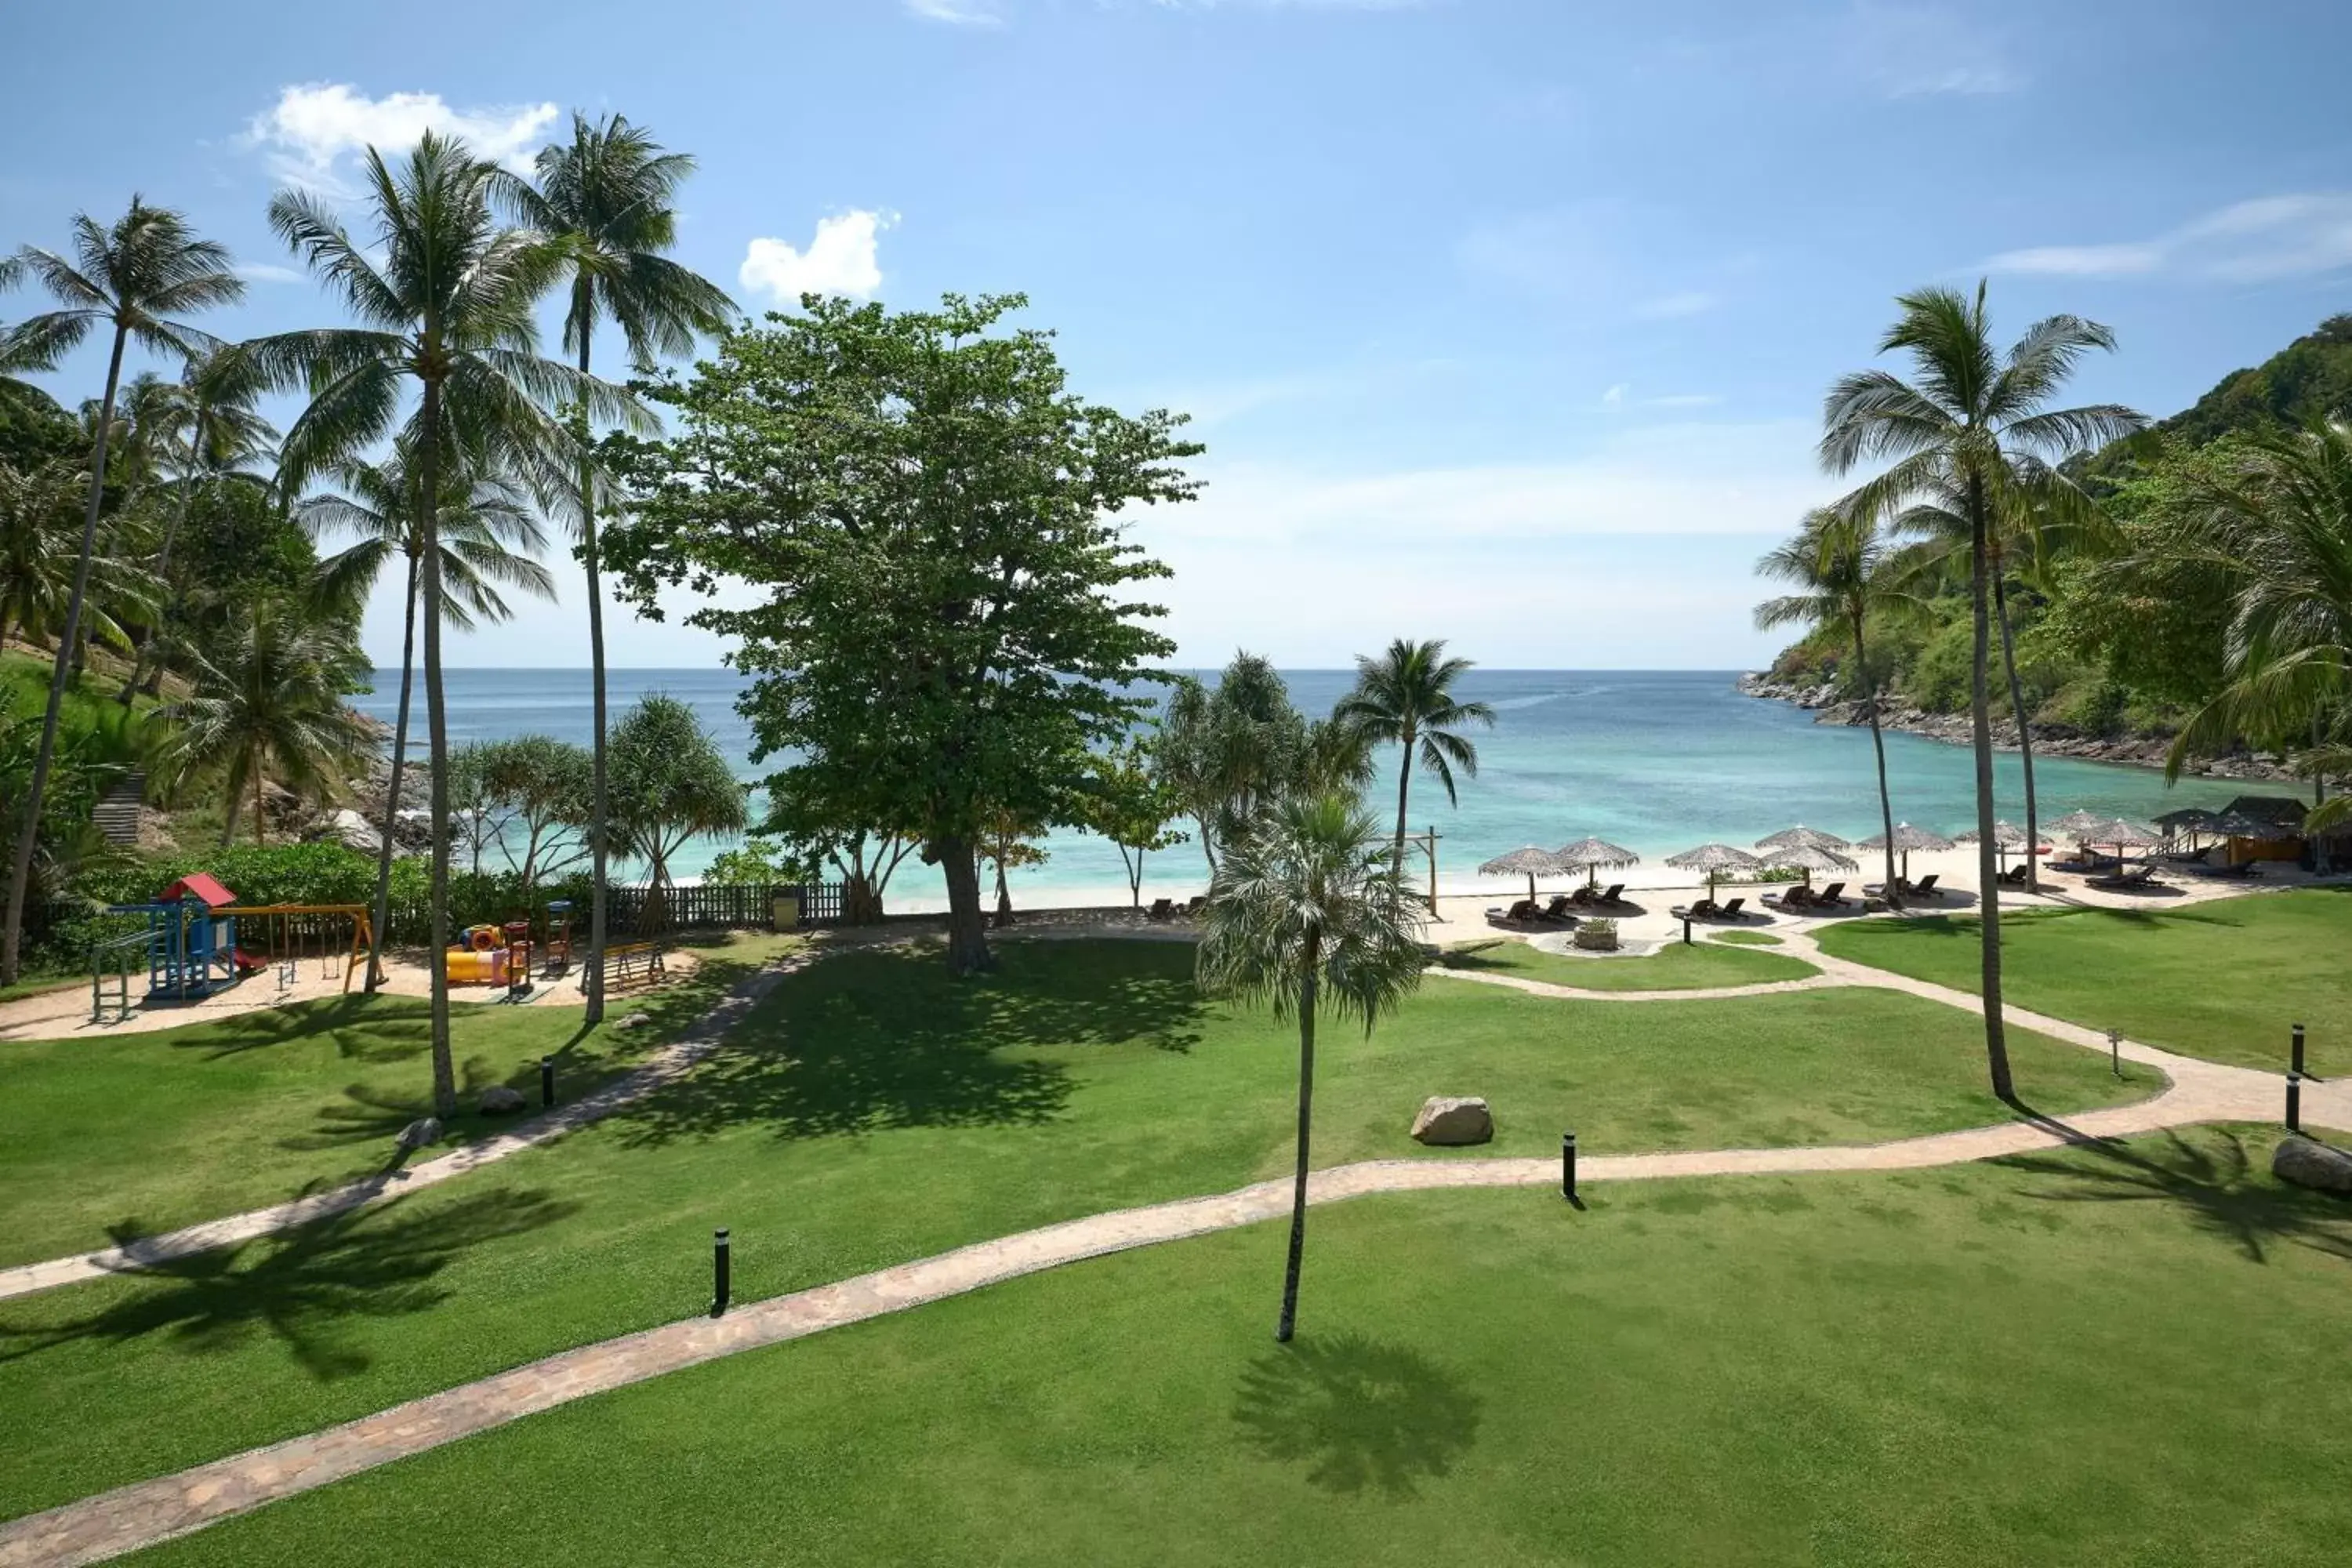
{"points": [[2215, 1180], [883, 1039], [302, 1285], [1359, 1412]]}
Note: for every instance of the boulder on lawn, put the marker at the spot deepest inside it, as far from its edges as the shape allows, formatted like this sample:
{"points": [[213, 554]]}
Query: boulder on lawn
{"points": [[499, 1100], [417, 1134], [1453, 1119], [2308, 1162]]}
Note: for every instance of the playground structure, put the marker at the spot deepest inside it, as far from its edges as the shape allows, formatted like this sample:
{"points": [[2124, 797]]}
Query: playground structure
{"points": [[192, 951]]}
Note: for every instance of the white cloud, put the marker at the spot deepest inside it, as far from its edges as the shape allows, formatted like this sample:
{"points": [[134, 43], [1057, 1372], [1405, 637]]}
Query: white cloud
{"points": [[268, 272], [2255, 241], [1673, 307], [1924, 50], [1684, 400], [1615, 397], [960, 13], [313, 130], [841, 259]]}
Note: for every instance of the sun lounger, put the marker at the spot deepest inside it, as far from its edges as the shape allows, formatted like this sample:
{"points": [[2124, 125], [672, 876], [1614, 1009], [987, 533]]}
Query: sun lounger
{"points": [[2014, 877], [1559, 907], [1830, 898], [1612, 896], [1794, 899], [1730, 912], [1196, 903], [1162, 909], [2125, 881], [1926, 887], [1701, 909]]}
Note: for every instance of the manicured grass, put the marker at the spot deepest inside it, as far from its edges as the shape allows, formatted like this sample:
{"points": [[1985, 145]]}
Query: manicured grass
{"points": [[1677, 966], [2112, 1357], [1747, 938], [131, 1134], [2221, 980], [873, 1111]]}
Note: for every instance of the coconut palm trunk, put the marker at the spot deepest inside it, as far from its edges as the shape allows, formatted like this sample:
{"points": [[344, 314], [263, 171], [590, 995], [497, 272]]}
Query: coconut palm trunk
{"points": [[392, 785], [598, 807], [2024, 731], [1878, 749], [1980, 726], [1404, 790], [154, 641], [29, 831], [436, 725], [1297, 1261]]}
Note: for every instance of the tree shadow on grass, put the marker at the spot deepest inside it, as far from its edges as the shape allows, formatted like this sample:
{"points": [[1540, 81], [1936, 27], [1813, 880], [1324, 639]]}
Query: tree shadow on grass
{"points": [[306, 1286], [885, 1038], [365, 1028], [1361, 1414], [2212, 1177]]}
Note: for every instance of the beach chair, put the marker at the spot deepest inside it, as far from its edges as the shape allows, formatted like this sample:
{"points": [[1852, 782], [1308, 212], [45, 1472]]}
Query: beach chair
{"points": [[1926, 887], [1559, 907], [2014, 877], [1196, 903], [1730, 912], [1795, 898], [1614, 896], [1162, 909], [1830, 898], [1699, 910], [1525, 910]]}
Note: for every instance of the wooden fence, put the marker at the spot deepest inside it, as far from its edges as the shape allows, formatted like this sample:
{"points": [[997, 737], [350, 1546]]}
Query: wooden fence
{"points": [[750, 907]]}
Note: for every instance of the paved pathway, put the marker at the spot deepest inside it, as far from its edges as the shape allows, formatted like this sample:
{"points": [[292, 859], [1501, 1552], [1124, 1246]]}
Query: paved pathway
{"points": [[695, 1042], [145, 1512]]}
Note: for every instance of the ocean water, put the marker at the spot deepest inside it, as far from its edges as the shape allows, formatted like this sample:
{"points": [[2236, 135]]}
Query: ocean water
{"points": [[1654, 759]]}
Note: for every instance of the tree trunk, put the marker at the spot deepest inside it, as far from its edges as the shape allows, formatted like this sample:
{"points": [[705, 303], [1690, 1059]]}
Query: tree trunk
{"points": [[599, 807], [1003, 892], [391, 787], [1288, 1322], [1405, 787], [163, 572], [967, 928], [29, 831], [1207, 853], [1878, 748], [437, 727], [2024, 734], [1988, 868], [260, 827]]}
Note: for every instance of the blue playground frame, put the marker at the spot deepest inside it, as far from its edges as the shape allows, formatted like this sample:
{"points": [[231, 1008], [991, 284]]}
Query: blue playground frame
{"points": [[191, 952]]}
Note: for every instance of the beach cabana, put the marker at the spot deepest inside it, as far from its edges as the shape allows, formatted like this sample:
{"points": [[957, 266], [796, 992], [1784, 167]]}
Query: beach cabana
{"points": [[1810, 858], [1589, 854], [1789, 837], [1528, 860], [1713, 860], [1907, 838]]}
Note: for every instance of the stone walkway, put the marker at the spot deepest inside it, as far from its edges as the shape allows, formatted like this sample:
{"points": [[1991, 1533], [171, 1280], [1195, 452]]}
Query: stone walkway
{"points": [[145, 1512], [694, 1043]]}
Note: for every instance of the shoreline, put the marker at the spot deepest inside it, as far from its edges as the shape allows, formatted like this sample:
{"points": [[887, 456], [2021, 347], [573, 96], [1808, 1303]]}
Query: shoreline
{"points": [[1954, 729]]}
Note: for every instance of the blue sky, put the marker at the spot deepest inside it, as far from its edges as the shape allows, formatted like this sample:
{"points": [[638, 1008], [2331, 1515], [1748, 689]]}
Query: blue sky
{"points": [[1505, 320]]}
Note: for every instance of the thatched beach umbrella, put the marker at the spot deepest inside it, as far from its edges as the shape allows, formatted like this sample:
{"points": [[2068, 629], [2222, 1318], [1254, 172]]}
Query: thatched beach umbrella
{"points": [[2118, 835], [1535, 862], [2073, 824], [2006, 835], [1810, 858], [1907, 838], [1714, 859], [2193, 820], [1789, 837], [1589, 854]]}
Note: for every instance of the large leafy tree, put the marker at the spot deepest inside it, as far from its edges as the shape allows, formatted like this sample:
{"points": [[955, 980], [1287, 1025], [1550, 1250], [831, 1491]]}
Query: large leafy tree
{"points": [[1306, 912], [2275, 521], [608, 198], [41, 560], [486, 534], [1405, 696], [1965, 415], [137, 276], [929, 511], [446, 311], [1838, 565], [1130, 803], [269, 707]]}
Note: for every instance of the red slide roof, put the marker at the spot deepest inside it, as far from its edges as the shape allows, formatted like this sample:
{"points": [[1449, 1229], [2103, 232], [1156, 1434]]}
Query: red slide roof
{"points": [[198, 886]]}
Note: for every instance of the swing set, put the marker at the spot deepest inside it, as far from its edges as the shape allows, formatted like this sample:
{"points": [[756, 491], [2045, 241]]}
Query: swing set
{"points": [[299, 934]]}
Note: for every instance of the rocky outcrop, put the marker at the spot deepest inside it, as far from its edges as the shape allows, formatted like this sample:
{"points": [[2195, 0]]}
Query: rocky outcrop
{"points": [[1453, 1119], [2050, 741], [499, 1100], [2308, 1163]]}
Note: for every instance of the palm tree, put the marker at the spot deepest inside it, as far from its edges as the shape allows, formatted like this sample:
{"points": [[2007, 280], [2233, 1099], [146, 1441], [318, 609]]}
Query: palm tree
{"points": [[136, 276], [2278, 523], [40, 559], [1839, 563], [268, 704], [1306, 912], [608, 198], [486, 536], [217, 432], [451, 309], [1965, 415], [1406, 695]]}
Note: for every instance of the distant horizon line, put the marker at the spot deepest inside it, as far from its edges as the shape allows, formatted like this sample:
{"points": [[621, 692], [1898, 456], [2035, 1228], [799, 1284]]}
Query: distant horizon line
{"points": [[1182, 668]]}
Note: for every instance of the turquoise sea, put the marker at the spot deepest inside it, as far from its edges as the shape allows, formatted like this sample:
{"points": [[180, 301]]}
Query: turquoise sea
{"points": [[1654, 760]]}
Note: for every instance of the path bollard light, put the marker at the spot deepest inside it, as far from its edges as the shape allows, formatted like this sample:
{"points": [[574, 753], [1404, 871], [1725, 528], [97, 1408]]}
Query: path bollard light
{"points": [[1568, 1166], [1685, 930], [2295, 1051], [2294, 1102], [720, 1281], [546, 1081], [2115, 1051]]}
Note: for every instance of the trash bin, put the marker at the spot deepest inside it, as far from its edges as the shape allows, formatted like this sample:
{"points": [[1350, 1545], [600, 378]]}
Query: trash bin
{"points": [[787, 910]]}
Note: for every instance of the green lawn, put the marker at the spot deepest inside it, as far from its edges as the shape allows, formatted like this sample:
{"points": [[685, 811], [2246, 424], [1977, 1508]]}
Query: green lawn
{"points": [[133, 1134], [2221, 980], [873, 1112], [1676, 966], [1747, 938], [2112, 1357]]}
